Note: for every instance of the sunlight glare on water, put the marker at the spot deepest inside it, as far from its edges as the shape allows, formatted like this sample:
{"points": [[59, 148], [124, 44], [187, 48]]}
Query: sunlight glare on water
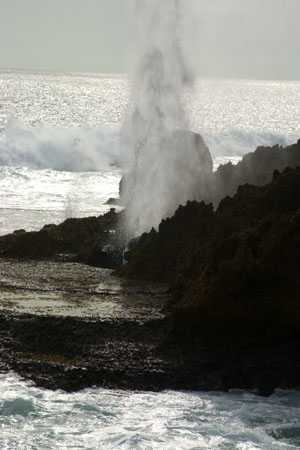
{"points": [[31, 419], [59, 135]]}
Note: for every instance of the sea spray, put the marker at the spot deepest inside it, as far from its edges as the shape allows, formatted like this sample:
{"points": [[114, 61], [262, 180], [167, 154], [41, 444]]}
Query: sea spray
{"points": [[165, 167], [74, 149]]}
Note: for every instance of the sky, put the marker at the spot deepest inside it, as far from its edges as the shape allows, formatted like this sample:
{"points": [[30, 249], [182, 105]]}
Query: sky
{"points": [[231, 38]]}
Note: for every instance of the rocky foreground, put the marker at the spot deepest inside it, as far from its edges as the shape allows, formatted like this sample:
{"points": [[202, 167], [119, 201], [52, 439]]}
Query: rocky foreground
{"points": [[226, 313]]}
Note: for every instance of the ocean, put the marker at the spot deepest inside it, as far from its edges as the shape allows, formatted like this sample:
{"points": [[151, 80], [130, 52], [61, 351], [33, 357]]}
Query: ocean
{"points": [[60, 150], [35, 419], [60, 156]]}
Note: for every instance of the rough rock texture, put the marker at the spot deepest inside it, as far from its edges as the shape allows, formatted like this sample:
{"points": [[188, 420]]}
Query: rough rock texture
{"points": [[69, 326], [99, 240], [240, 262], [232, 320], [83, 240], [73, 353], [235, 282], [256, 168], [196, 149]]}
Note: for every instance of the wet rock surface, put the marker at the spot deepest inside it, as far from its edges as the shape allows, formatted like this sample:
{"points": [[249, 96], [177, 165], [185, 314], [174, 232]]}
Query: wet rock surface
{"points": [[98, 241], [195, 150], [256, 168], [226, 314], [77, 240], [234, 276], [242, 259], [69, 326], [76, 290]]}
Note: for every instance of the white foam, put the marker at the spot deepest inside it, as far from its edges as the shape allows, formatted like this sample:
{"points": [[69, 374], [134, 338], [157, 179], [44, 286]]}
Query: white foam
{"points": [[96, 149], [71, 149], [32, 198], [164, 164], [104, 419], [238, 142]]}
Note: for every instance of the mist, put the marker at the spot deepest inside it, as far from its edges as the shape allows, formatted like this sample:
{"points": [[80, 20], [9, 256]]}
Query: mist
{"points": [[73, 149], [167, 163], [231, 38], [258, 39]]}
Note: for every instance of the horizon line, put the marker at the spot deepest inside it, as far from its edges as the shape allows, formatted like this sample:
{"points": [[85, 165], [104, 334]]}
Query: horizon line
{"points": [[108, 74]]}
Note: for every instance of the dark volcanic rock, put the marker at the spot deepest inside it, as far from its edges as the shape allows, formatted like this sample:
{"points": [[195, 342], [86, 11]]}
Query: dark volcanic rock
{"points": [[113, 201], [73, 353], [240, 262], [234, 276], [256, 168], [99, 240], [232, 320], [85, 239], [195, 149], [165, 254], [69, 326]]}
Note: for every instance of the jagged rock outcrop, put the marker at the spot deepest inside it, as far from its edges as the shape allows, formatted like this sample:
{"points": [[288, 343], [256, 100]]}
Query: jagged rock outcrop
{"points": [[99, 240], [90, 240], [230, 319], [193, 148], [255, 168], [239, 263]]}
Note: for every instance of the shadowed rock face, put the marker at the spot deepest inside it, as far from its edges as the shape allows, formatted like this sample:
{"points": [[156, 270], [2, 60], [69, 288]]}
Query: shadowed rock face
{"points": [[192, 147], [256, 168], [81, 240], [195, 142], [234, 276], [69, 326], [232, 320], [238, 263], [64, 289], [99, 240]]}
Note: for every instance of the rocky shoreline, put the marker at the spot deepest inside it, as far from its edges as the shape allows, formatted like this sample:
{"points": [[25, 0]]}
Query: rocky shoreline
{"points": [[226, 314], [73, 353]]}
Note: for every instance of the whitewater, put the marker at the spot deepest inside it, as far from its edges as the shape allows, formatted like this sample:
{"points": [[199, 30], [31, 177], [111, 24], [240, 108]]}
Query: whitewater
{"points": [[61, 156], [35, 419], [60, 150]]}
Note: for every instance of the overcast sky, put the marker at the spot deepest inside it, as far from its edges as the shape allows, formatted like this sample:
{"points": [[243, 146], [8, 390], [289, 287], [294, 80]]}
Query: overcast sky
{"points": [[235, 38]]}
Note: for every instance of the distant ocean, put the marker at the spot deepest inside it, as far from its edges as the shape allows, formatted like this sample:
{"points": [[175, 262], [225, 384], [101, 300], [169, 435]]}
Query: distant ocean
{"points": [[59, 157], [59, 136]]}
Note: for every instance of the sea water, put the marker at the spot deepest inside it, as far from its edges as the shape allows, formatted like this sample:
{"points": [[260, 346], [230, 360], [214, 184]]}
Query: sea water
{"points": [[60, 157], [60, 152], [37, 419]]}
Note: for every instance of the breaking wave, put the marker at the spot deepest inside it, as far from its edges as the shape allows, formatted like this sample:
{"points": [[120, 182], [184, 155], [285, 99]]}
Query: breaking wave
{"points": [[96, 149], [236, 142], [72, 149], [32, 418]]}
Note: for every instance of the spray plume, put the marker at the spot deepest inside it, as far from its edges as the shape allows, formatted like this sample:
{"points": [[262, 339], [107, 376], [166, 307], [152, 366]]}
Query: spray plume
{"points": [[165, 168]]}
